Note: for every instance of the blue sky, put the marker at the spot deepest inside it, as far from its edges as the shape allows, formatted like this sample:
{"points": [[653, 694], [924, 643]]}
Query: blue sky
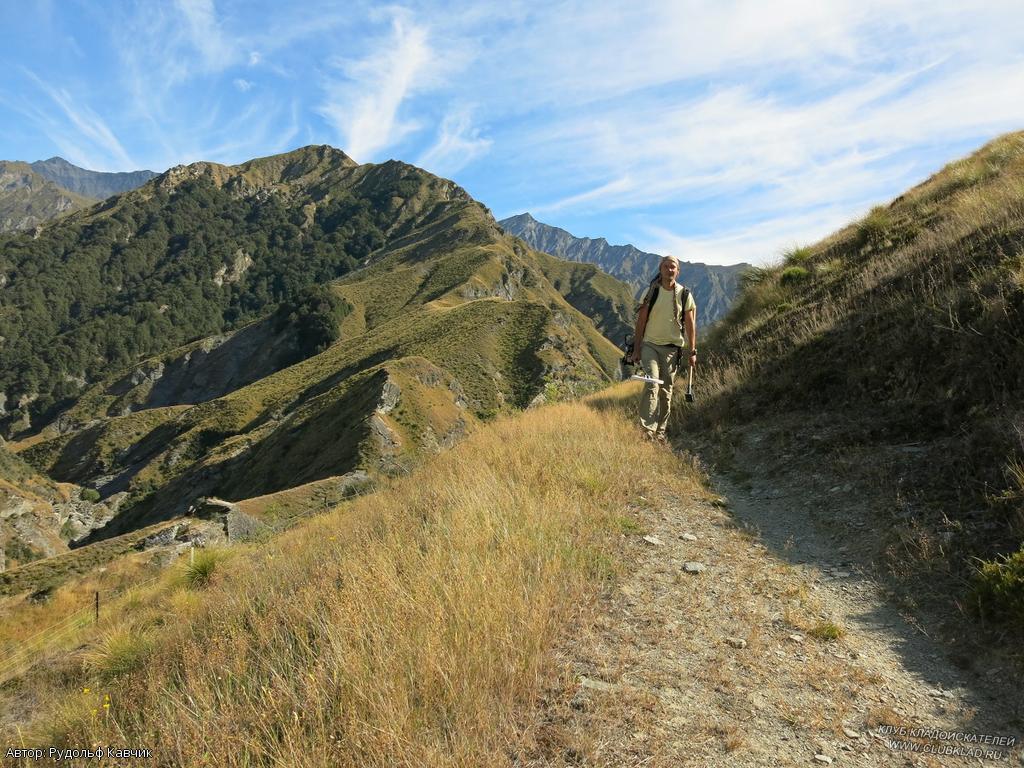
{"points": [[718, 131]]}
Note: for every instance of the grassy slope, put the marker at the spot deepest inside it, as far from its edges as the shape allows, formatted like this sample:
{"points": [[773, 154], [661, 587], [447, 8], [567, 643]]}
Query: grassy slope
{"points": [[408, 627], [606, 300], [903, 328]]}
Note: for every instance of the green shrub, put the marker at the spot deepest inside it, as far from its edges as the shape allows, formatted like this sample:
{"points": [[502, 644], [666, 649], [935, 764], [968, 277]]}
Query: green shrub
{"points": [[89, 494], [793, 275], [998, 590]]}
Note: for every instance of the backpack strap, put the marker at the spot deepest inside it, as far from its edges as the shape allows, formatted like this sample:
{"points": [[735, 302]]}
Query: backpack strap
{"points": [[652, 298], [679, 309]]}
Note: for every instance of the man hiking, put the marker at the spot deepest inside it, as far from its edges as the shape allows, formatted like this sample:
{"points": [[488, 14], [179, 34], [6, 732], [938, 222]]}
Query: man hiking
{"points": [[667, 312]]}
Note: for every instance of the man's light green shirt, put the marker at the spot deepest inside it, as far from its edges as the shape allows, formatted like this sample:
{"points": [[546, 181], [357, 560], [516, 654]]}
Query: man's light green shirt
{"points": [[661, 324]]}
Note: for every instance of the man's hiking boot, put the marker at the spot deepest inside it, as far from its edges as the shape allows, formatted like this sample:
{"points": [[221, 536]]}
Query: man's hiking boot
{"points": [[661, 438]]}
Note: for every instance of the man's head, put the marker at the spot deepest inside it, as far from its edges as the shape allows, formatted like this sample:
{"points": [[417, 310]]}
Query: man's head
{"points": [[668, 269]]}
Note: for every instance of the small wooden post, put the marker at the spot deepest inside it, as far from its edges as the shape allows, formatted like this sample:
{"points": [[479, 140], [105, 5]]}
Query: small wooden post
{"points": [[97, 607]]}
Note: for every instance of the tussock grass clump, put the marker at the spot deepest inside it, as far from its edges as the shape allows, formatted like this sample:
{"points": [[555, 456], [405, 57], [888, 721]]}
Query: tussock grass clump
{"points": [[999, 590], [875, 227], [121, 650], [407, 627], [826, 630], [203, 567], [797, 255]]}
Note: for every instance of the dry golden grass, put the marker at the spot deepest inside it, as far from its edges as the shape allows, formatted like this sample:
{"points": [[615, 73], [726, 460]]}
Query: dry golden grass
{"points": [[21, 620], [409, 627]]}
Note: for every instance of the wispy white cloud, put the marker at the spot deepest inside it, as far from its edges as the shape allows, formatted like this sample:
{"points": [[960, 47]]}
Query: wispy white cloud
{"points": [[457, 145], [242, 84], [204, 32], [104, 149], [364, 104]]}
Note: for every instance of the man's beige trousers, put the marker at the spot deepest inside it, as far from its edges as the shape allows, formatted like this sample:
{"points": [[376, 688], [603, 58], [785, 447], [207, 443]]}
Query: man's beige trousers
{"points": [[660, 362]]}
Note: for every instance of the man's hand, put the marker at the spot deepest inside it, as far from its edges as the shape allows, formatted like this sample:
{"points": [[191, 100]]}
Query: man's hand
{"points": [[693, 358]]}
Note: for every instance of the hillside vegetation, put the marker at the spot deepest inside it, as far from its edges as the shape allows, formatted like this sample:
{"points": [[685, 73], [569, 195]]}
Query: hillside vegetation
{"points": [[409, 627], [440, 323], [893, 352]]}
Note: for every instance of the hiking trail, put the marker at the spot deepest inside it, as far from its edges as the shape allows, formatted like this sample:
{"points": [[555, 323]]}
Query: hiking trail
{"points": [[716, 648]]}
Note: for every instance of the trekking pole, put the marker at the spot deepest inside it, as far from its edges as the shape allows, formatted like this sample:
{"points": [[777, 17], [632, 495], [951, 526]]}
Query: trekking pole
{"points": [[689, 387]]}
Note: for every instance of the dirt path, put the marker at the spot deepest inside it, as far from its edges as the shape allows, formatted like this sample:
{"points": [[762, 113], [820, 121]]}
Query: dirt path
{"points": [[715, 648]]}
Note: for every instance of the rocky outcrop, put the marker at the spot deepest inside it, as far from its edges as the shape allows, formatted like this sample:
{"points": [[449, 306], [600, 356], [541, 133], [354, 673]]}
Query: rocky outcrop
{"points": [[237, 525]]}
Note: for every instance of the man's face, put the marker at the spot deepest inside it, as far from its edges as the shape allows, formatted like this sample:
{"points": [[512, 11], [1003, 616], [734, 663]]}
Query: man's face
{"points": [[669, 270]]}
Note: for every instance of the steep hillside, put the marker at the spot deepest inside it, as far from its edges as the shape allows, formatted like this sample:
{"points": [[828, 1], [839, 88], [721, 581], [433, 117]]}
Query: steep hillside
{"points": [[446, 323], [97, 185], [714, 286], [28, 199], [887, 360]]}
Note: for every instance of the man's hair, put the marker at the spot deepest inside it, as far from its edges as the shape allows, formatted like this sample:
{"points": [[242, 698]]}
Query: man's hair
{"points": [[670, 258]]}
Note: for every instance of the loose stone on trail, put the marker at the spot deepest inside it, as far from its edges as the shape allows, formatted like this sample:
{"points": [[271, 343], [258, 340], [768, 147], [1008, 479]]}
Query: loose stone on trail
{"points": [[694, 567], [653, 540]]}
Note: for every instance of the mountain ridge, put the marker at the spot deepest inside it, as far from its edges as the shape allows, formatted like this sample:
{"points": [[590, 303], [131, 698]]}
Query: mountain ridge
{"points": [[97, 185], [713, 286]]}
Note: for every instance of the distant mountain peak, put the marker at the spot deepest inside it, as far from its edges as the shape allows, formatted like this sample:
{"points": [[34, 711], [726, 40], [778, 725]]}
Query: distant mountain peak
{"points": [[97, 185], [713, 286]]}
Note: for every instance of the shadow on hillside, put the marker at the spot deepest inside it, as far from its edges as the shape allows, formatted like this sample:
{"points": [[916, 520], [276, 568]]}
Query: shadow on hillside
{"points": [[948, 653], [330, 442]]}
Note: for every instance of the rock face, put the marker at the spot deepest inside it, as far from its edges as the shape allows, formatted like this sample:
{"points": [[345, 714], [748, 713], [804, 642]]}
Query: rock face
{"points": [[714, 286]]}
